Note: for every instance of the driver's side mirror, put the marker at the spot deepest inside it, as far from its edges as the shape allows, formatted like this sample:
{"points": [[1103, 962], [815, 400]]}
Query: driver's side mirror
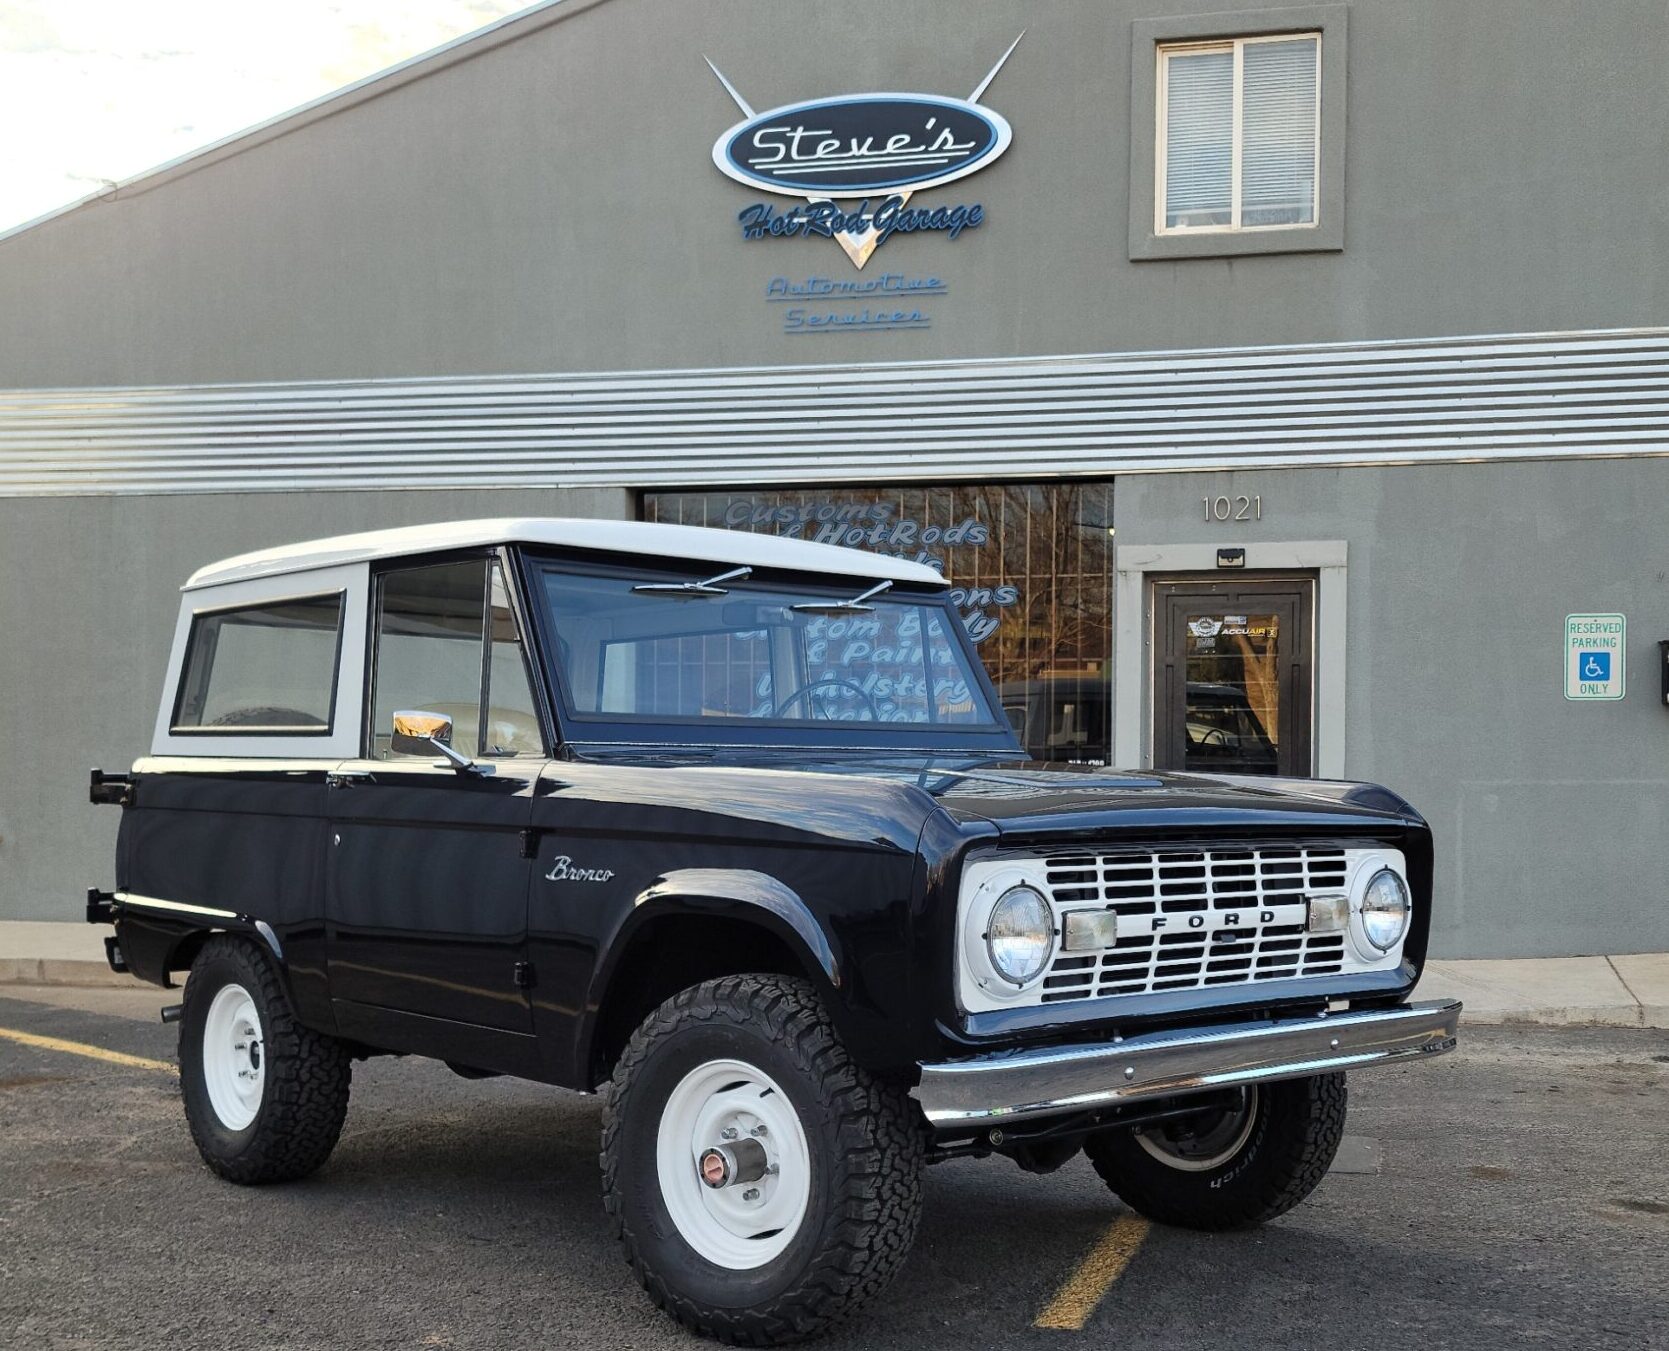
{"points": [[420, 733], [417, 733]]}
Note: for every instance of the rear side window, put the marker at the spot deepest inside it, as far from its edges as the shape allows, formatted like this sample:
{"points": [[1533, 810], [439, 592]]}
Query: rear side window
{"points": [[267, 669]]}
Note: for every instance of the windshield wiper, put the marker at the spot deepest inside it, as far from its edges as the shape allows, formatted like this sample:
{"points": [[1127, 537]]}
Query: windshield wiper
{"points": [[710, 587], [842, 607]]}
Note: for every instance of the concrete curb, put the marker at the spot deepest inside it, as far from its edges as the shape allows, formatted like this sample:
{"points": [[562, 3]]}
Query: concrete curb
{"points": [[51, 971], [52, 952], [1623, 991]]}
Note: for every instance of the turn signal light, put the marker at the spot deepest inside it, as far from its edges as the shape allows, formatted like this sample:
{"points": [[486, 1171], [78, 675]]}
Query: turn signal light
{"points": [[1087, 930], [1328, 914]]}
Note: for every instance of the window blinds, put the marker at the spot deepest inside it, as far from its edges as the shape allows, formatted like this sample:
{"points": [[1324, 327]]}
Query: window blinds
{"points": [[1276, 144], [1199, 148], [1278, 133]]}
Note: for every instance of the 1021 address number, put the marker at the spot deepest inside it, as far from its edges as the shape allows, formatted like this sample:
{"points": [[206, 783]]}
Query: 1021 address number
{"points": [[1239, 508]]}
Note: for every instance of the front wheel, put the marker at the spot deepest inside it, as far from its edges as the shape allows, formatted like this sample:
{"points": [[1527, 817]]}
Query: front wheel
{"points": [[761, 1183], [1232, 1167], [264, 1096]]}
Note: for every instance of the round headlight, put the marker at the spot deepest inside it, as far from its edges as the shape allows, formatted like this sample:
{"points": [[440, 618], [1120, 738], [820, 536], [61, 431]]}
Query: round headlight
{"points": [[1385, 910], [1020, 935]]}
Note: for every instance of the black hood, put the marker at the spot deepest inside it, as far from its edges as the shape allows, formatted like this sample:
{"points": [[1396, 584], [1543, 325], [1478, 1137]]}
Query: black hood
{"points": [[1020, 797], [1030, 798]]}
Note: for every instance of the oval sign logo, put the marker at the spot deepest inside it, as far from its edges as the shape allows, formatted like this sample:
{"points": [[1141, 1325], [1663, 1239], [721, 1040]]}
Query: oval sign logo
{"points": [[862, 143]]}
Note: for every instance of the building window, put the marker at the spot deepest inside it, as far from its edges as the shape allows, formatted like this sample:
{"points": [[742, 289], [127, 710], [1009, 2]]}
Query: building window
{"points": [[1030, 567], [1239, 133], [1237, 140]]}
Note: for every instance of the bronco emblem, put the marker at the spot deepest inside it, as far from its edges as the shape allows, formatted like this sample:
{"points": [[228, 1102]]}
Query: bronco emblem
{"points": [[563, 870]]}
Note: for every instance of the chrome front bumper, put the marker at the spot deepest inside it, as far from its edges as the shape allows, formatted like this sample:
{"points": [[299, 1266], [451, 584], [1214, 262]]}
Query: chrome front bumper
{"points": [[1014, 1085]]}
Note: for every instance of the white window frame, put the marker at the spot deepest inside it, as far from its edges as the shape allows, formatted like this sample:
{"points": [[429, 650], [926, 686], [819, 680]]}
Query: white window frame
{"points": [[1161, 88], [342, 741]]}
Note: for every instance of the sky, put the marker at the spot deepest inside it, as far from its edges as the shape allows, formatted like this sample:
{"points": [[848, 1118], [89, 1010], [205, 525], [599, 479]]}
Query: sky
{"points": [[94, 91]]}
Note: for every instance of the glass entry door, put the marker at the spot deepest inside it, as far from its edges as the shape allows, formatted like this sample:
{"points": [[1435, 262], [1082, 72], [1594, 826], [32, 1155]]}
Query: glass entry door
{"points": [[1233, 676]]}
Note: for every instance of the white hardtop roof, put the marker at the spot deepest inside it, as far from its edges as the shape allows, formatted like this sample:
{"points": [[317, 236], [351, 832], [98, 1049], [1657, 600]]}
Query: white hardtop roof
{"points": [[643, 539]]}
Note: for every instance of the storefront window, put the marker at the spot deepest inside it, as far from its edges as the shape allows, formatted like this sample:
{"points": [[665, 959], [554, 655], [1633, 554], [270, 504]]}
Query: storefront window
{"points": [[1031, 566]]}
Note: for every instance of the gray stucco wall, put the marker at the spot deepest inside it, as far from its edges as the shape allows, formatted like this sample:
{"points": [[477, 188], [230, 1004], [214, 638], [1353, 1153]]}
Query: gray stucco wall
{"points": [[87, 607], [1550, 816], [551, 204]]}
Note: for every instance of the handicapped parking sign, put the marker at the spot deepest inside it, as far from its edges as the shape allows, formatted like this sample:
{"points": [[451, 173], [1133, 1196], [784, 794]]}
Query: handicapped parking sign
{"points": [[1595, 656]]}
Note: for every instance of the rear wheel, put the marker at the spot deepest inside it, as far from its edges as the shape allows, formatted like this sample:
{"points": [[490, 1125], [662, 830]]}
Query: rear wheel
{"points": [[761, 1183], [1232, 1167], [264, 1096]]}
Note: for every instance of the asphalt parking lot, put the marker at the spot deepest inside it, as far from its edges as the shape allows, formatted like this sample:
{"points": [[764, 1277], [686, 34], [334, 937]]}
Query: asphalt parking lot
{"points": [[1512, 1192]]}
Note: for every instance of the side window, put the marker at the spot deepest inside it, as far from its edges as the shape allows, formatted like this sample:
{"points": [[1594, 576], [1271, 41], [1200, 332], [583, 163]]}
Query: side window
{"points": [[437, 652], [267, 669], [429, 636], [953, 696], [512, 717]]}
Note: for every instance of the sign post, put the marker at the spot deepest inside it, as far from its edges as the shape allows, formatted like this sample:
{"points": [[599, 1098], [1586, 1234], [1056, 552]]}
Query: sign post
{"points": [[1596, 656]]}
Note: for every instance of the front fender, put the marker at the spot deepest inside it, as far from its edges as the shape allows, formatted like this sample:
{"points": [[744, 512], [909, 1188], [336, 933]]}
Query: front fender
{"points": [[737, 895], [761, 897], [733, 893]]}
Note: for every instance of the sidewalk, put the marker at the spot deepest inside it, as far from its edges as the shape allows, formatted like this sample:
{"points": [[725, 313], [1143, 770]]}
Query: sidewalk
{"points": [[51, 952], [1556, 991]]}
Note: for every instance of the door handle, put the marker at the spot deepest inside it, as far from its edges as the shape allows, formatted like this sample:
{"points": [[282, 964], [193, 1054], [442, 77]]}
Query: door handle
{"points": [[347, 778]]}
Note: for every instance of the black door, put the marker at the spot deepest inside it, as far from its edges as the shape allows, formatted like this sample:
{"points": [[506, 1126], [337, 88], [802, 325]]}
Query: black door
{"points": [[1234, 675], [426, 880]]}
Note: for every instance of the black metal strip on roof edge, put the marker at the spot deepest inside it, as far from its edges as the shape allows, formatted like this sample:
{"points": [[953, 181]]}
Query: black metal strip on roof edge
{"points": [[1509, 397]]}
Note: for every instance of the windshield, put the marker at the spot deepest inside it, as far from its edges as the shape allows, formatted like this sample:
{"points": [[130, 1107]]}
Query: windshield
{"points": [[644, 646]]}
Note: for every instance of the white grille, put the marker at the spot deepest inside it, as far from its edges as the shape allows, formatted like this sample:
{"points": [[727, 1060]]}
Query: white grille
{"points": [[1191, 918], [1247, 883]]}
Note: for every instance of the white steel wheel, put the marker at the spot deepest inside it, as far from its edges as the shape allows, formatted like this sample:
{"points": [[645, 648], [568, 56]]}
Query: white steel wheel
{"points": [[234, 1063], [1197, 1145], [733, 1164], [741, 1085]]}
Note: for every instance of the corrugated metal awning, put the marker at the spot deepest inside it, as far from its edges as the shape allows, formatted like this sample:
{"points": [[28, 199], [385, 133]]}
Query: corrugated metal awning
{"points": [[1530, 396]]}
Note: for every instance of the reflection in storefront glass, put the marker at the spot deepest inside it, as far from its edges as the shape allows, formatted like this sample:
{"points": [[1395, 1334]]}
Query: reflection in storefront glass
{"points": [[1234, 693], [1031, 566]]}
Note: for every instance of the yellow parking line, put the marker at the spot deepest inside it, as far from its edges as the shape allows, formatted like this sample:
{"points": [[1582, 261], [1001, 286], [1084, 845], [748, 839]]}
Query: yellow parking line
{"points": [[1075, 1301], [82, 1048]]}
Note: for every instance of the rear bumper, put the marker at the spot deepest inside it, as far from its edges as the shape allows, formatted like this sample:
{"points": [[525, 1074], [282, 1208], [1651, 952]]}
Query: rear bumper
{"points": [[1015, 1085]]}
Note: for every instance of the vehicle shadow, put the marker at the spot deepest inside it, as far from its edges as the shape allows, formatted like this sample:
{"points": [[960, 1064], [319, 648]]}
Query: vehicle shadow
{"points": [[512, 1172], [481, 1201]]}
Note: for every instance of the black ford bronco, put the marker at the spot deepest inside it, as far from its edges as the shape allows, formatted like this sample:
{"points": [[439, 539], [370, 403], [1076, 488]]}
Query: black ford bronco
{"points": [[732, 830]]}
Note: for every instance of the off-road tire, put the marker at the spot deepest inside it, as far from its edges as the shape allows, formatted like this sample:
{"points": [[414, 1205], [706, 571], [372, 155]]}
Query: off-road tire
{"points": [[304, 1097], [1298, 1128], [866, 1144]]}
